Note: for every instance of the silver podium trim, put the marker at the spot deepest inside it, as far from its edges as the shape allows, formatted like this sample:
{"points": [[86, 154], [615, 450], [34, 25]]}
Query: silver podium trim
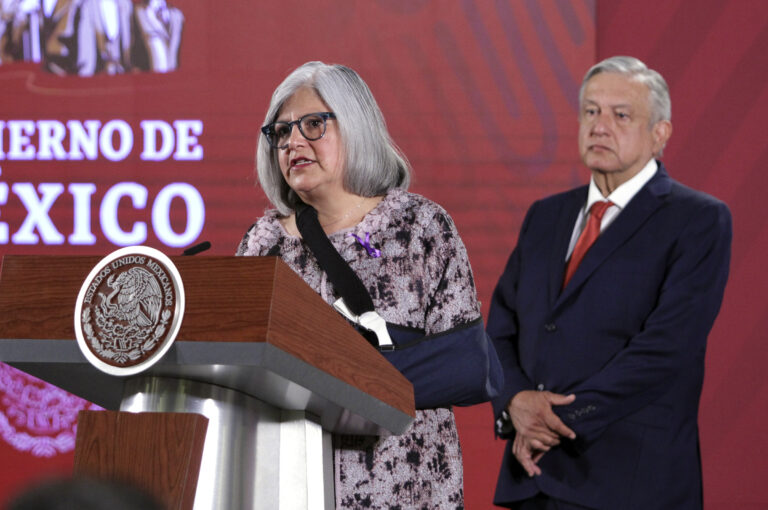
{"points": [[256, 456]]}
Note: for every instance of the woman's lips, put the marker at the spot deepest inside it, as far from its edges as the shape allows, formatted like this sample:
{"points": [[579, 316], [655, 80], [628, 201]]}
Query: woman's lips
{"points": [[299, 163]]}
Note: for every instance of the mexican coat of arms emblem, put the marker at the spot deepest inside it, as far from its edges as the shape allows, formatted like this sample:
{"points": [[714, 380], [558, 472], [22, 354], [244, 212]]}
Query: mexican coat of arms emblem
{"points": [[129, 310]]}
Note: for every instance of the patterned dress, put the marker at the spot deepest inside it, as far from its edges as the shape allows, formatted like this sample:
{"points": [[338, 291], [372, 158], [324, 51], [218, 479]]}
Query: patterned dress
{"points": [[422, 279]]}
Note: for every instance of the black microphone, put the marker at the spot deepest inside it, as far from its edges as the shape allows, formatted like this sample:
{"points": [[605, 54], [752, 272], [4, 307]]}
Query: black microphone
{"points": [[194, 250]]}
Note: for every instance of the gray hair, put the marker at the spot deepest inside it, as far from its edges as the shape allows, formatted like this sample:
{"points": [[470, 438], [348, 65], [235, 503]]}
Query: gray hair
{"points": [[661, 105], [373, 163]]}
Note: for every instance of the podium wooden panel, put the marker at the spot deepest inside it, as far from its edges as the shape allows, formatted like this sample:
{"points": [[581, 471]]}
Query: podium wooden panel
{"points": [[166, 465], [251, 326]]}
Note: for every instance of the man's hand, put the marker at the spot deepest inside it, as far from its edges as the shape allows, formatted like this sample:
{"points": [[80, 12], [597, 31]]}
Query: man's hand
{"points": [[526, 455], [537, 427]]}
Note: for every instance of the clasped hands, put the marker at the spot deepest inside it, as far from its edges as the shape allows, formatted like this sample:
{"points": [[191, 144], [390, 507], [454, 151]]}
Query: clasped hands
{"points": [[537, 427]]}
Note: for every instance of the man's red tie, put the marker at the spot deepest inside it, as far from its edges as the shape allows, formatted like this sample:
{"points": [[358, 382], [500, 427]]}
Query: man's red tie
{"points": [[587, 237]]}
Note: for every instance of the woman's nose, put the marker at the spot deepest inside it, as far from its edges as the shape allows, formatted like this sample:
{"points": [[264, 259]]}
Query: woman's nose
{"points": [[295, 137]]}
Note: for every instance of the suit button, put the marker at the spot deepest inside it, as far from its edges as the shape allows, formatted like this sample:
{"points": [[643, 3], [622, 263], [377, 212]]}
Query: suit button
{"points": [[550, 327], [540, 387]]}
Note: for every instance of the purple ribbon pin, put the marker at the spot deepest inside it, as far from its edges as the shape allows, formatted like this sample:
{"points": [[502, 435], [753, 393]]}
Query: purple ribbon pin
{"points": [[373, 252]]}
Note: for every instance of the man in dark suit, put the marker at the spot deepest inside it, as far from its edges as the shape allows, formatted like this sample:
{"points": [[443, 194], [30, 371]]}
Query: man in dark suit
{"points": [[603, 344]]}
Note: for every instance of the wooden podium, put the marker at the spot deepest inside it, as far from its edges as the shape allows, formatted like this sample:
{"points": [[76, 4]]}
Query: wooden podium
{"points": [[273, 368]]}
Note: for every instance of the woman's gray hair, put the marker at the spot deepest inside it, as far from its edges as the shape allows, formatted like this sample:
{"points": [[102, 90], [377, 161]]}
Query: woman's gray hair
{"points": [[661, 105], [373, 164]]}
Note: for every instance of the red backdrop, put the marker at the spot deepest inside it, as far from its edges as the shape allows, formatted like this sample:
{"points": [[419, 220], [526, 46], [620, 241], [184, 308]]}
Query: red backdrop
{"points": [[480, 95]]}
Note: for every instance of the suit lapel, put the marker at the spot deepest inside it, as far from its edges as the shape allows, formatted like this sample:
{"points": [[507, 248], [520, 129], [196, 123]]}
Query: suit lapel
{"points": [[637, 212], [562, 238]]}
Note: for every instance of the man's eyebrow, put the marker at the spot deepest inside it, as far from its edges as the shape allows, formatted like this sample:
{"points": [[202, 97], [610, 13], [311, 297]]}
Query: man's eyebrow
{"points": [[612, 106]]}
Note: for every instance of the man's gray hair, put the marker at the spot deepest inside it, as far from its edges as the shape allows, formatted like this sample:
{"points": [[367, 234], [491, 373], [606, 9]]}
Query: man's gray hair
{"points": [[661, 105], [373, 163]]}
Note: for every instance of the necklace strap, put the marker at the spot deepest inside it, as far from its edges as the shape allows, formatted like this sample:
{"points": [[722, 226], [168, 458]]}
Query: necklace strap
{"points": [[344, 216]]}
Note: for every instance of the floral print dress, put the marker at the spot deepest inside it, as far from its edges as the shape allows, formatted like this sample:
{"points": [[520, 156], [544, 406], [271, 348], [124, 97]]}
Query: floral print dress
{"points": [[410, 257]]}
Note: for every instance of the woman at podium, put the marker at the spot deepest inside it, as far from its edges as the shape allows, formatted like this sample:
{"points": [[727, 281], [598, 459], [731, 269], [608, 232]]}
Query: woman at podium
{"points": [[325, 145]]}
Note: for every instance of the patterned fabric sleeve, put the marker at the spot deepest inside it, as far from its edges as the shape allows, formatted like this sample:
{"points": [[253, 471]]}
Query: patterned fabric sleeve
{"points": [[453, 300], [262, 236], [242, 248]]}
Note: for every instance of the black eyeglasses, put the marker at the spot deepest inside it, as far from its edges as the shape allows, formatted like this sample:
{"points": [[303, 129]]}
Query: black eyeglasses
{"points": [[311, 127]]}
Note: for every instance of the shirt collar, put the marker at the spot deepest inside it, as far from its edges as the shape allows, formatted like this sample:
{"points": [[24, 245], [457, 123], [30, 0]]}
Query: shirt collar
{"points": [[626, 191]]}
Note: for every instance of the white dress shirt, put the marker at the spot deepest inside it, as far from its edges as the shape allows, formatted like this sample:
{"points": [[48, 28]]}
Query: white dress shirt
{"points": [[619, 198]]}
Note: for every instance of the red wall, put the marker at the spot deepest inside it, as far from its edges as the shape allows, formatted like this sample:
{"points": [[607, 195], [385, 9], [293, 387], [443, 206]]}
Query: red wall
{"points": [[481, 96]]}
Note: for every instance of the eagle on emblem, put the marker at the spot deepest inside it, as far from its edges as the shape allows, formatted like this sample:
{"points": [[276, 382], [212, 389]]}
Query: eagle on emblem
{"points": [[139, 298]]}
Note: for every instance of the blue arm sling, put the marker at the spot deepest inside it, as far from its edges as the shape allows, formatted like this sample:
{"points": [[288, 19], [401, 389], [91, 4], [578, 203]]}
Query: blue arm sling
{"points": [[454, 367]]}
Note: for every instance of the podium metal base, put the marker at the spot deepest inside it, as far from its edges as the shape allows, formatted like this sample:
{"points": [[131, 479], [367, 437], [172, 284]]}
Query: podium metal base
{"points": [[256, 456]]}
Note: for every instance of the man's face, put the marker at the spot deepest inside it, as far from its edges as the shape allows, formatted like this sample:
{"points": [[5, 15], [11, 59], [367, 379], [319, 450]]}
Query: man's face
{"points": [[615, 133]]}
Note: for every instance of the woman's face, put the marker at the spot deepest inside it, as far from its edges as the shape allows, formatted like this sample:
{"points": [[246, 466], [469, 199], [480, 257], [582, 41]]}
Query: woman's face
{"points": [[313, 169]]}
